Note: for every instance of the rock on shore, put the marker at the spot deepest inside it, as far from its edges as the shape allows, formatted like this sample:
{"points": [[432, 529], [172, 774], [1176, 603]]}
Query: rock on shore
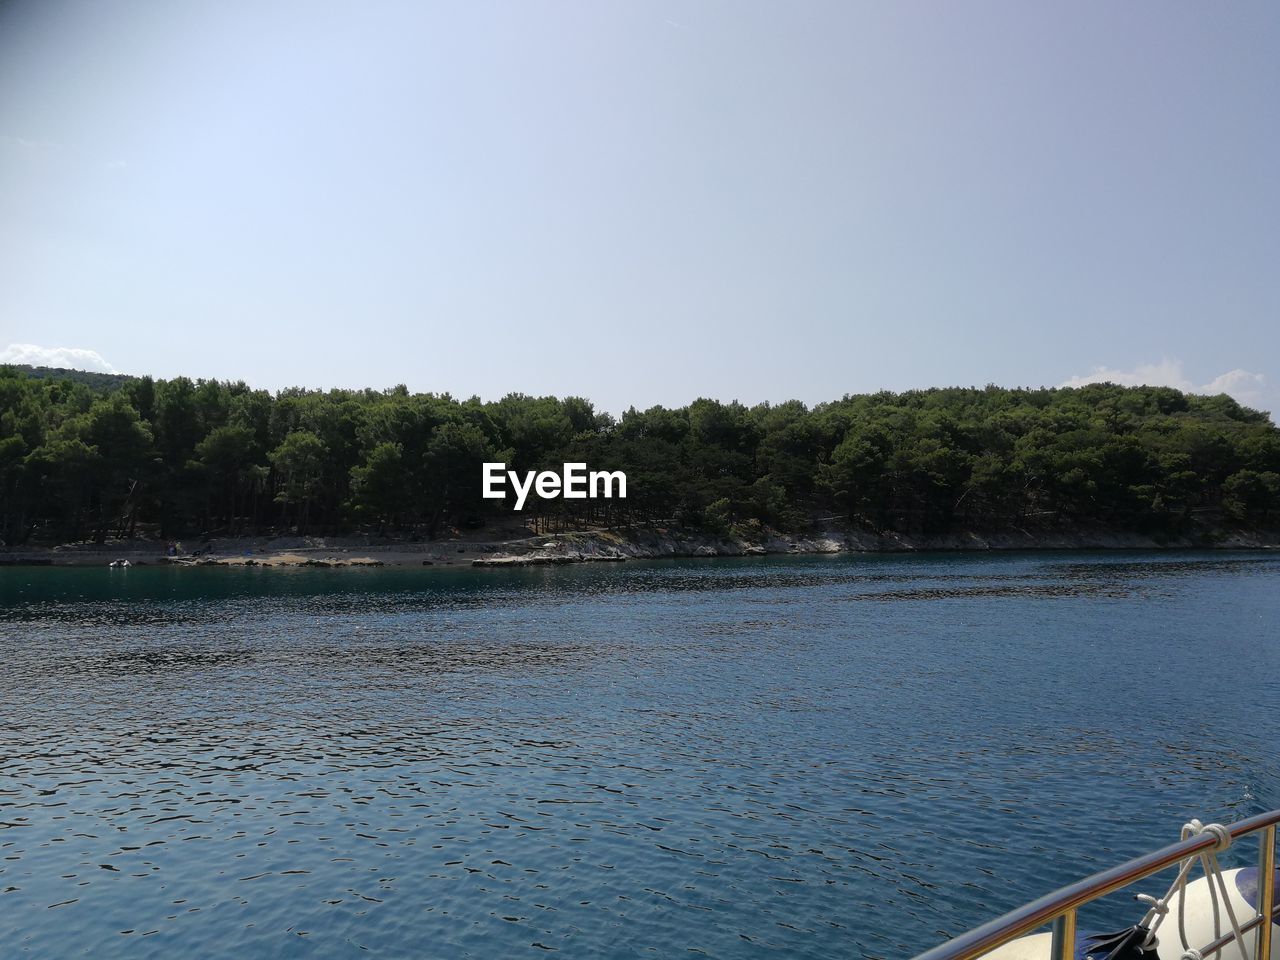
{"points": [[515, 548], [669, 543]]}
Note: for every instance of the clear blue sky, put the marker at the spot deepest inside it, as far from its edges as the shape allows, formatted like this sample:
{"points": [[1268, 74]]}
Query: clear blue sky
{"points": [[645, 202]]}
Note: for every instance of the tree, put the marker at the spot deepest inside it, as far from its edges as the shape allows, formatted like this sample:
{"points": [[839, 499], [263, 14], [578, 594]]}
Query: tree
{"points": [[380, 488], [122, 443], [856, 477], [1250, 495], [228, 457], [63, 470], [299, 464], [453, 462], [96, 453]]}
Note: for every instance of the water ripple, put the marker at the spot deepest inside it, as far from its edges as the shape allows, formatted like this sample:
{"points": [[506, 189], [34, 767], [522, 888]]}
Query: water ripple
{"points": [[800, 757]]}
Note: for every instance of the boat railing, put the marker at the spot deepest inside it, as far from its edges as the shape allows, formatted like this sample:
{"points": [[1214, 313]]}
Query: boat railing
{"points": [[1060, 907]]}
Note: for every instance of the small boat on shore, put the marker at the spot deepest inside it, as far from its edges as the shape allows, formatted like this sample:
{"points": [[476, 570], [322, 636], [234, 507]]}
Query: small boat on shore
{"points": [[1231, 913]]}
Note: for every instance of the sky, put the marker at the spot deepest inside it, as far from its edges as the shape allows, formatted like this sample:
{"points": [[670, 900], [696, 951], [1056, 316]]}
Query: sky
{"points": [[645, 203]]}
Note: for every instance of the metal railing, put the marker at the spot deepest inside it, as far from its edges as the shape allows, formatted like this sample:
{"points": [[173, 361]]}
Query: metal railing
{"points": [[1059, 908]]}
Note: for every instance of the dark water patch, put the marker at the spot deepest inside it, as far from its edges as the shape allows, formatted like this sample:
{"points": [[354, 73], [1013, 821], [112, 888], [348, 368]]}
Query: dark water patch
{"points": [[1020, 590]]}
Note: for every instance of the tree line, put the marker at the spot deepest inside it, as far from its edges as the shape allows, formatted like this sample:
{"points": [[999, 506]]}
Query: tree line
{"points": [[94, 457]]}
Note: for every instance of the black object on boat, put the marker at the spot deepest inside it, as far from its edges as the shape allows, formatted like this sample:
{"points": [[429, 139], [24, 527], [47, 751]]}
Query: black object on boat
{"points": [[1121, 945]]}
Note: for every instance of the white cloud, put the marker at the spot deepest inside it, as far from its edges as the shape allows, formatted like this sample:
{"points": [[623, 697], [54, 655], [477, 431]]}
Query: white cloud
{"points": [[1249, 388], [1166, 373], [1235, 381], [71, 358]]}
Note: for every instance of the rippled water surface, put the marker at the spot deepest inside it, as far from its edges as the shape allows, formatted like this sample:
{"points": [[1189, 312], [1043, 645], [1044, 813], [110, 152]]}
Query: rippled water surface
{"points": [[791, 757]]}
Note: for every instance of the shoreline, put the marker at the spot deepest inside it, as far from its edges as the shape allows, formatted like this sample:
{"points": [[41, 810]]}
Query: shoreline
{"points": [[598, 546]]}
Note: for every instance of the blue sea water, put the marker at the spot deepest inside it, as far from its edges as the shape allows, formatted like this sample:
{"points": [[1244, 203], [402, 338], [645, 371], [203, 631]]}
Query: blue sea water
{"points": [[775, 757]]}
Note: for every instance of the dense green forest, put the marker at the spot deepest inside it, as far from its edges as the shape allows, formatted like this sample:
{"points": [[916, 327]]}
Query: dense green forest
{"points": [[95, 456]]}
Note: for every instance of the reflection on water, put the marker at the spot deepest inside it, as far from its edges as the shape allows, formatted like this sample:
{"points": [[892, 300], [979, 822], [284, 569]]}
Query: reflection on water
{"points": [[801, 757]]}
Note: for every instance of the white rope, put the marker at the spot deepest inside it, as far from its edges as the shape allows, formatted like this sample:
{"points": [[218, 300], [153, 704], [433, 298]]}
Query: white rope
{"points": [[1160, 906], [1213, 874]]}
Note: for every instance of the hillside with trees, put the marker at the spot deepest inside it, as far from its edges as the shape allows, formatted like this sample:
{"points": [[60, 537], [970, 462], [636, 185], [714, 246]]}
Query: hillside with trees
{"points": [[91, 378], [100, 459]]}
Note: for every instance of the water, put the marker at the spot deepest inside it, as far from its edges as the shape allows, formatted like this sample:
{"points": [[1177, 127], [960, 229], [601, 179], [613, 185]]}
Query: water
{"points": [[775, 757]]}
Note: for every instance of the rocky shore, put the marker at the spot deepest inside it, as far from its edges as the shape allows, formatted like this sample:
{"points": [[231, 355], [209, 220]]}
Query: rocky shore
{"points": [[507, 549], [666, 544]]}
